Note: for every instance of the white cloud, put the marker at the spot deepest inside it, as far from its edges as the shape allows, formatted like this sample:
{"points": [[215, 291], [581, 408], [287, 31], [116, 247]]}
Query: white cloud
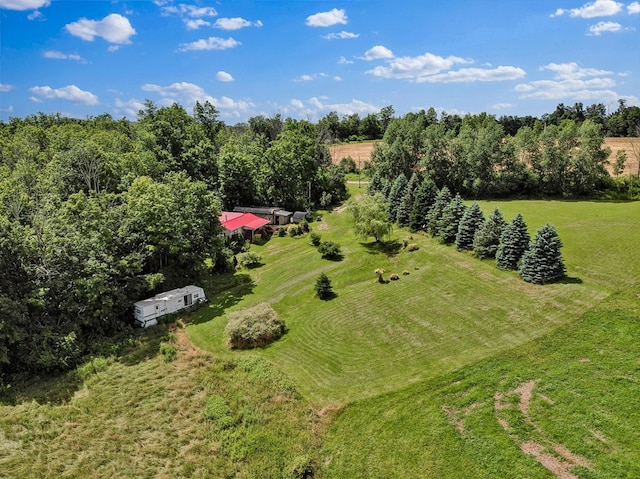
{"points": [[313, 76], [602, 27], [502, 106], [501, 73], [71, 93], [344, 61], [297, 104], [114, 28], [4, 87], [224, 76], [341, 36], [211, 43], [327, 19], [129, 108], [338, 78], [598, 8], [188, 93], [235, 23], [633, 8], [56, 55], [35, 15], [354, 106], [197, 23], [36, 100], [414, 68], [24, 4], [376, 53], [571, 82], [187, 10], [9, 109]]}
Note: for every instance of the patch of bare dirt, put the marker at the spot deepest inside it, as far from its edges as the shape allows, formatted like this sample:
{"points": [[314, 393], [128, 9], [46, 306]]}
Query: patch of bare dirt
{"points": [[359, 152], [560, 468]]}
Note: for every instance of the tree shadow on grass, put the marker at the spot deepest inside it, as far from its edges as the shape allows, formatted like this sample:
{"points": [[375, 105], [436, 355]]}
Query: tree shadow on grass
{"points": [[329, 296], [570, 280], [389, 248], [221, 301]]}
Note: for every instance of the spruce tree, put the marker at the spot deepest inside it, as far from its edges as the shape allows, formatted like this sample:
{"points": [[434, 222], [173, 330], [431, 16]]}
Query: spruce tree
{"points": [[542, 262], [395, 196], [450, 219], [471, 222], [404, 212], [425, 197], [435, 212], [487, 238], [376, 184], [514, 241], [323, 287]]}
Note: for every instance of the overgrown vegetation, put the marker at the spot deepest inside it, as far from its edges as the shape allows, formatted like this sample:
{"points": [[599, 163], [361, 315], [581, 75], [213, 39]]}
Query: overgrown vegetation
{"points": [[254, 327]]}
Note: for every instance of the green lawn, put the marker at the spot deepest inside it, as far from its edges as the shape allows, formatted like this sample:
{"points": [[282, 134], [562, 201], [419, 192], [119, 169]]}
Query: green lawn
{"points": [[450, 311]]}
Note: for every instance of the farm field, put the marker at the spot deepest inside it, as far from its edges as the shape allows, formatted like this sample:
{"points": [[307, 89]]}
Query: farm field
{"points": [[457, 370], [362, 151]]}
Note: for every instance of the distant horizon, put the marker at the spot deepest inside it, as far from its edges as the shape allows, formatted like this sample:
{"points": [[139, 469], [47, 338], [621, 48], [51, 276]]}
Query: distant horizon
{"points": [[304, 60]]}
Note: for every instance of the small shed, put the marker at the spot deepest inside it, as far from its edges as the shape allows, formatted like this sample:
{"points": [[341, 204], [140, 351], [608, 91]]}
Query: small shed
{"points": [[147, 311], [275, 215]]}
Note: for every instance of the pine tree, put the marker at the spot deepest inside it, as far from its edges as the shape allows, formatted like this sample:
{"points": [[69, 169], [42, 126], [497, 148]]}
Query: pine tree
{"points": [[542, 262], [395, 196], [435, 212], [323, 287], [425, 197], [487, 238], [376, 184], [514, 241], [404, 212], [471, 222], [450, 219]]}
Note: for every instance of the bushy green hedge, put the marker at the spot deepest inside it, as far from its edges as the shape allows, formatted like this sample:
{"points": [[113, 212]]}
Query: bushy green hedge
{"points": [[250, 259], [254, 327]]}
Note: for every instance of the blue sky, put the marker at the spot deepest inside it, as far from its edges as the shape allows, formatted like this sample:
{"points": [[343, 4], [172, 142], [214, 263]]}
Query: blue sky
{"points": [[306, 58]]}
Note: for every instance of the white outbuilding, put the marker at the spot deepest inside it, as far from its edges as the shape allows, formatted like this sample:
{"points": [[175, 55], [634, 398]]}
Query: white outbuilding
{"points": [[147, 311]]}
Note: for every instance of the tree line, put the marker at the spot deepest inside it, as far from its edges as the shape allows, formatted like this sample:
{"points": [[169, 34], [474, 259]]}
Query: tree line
{"points": [[98, 213]]}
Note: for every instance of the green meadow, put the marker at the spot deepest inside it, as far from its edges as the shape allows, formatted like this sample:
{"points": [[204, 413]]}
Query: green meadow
{"points": [[456, 370]]}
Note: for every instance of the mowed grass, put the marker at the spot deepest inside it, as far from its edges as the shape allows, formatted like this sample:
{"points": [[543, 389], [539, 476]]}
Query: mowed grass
{"points": [[566, 405], [450, 311], [136, 415]]}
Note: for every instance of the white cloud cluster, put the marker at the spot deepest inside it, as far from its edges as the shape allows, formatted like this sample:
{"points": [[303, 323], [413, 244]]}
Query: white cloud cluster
{"points": [[188, 93], [313, 76], [113, 28], [129, 108], [224, 76], [235, 23], [24, 4], [466, 75], [191, 15], [4, 87], [598, 8], [602, 27], [70, 93], [56, 55], [571, 82], [211, 43], [327, 19], [316, 107], [344, 61], [376, 53], [341, 35], [633, 8]]}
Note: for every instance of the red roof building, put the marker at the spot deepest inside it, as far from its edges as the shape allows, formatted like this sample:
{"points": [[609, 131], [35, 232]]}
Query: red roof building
{"points": [[245, 224]]}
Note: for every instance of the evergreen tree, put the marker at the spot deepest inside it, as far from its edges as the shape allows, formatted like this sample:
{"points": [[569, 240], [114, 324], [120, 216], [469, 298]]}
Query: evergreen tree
{"points": [[542, 262], [487, 238], [376, 184], [323, 287], [395, 196], [435, 212], [425, 197], [470, 223], [404, 212], [514, 241], [450, 219]]}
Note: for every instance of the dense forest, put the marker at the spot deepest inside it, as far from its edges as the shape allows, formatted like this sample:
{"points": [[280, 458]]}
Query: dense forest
{"points": [[98, 213]]}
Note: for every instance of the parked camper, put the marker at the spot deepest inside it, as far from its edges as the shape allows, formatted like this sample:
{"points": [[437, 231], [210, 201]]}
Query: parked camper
{"points": [[147, 311]]}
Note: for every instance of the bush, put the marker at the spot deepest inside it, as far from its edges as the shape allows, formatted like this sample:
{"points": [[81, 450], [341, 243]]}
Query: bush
{"points": [[330, 250], [254, 327], [379, 272], [314, 239], [304, 226], [405, 272], [294, 230], [323, 287], [217, 410], [282, 232], [394, 277], [250, 259], [168, 351], [413, 247]]}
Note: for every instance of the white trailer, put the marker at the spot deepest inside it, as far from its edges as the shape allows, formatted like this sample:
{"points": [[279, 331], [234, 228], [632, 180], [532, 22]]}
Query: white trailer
{"points": [[147, 311]]}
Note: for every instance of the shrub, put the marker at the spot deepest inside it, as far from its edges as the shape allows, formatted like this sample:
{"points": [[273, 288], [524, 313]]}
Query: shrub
{"points": [[314, 239], [330, 250], [168, 351], [323, 287], [250, 259], [379, 272], [254, 327], [217, 410], [405, 272], [304, 226], [394, 277], [294, 230], [413, 247], [282, 232]]}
